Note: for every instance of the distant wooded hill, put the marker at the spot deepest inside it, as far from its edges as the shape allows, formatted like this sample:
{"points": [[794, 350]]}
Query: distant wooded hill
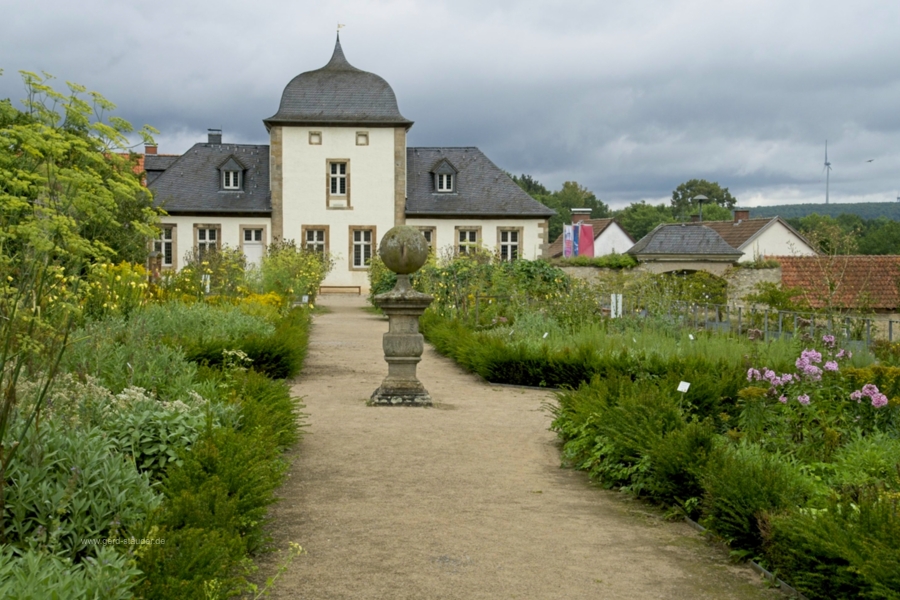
{"points": [[865, 210]]}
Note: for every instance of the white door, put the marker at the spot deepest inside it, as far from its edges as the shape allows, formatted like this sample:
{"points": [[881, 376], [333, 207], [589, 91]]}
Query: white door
{"points": [[253, 246]]}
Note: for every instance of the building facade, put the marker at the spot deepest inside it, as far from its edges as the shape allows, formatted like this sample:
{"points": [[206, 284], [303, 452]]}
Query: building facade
{"points": [[336, 176]]}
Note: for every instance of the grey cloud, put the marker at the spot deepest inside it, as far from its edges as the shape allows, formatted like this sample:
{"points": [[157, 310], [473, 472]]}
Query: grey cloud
{"points": [[629, 99]]}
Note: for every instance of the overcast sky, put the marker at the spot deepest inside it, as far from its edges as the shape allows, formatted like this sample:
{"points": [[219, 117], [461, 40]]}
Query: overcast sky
{"points": [[627, 98]]}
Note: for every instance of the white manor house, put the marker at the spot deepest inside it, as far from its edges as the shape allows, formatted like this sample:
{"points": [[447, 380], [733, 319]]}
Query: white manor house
{"points": [[336, 175]]}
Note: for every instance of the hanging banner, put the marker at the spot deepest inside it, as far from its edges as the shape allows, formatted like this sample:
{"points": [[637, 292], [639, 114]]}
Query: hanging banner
{"points": [[568, 250], [587, 239], [575, 231]]}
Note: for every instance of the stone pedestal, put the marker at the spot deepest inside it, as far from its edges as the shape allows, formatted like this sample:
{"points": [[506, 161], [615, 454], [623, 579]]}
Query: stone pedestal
{"points": [[403, 345]]}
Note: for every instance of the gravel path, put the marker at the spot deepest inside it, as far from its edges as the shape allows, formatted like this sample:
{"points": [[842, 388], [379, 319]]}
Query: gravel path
{"points": [[465, 500]]}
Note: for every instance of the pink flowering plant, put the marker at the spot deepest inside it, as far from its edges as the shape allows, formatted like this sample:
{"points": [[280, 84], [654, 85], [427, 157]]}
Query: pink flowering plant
{"points": [[811, 411]]}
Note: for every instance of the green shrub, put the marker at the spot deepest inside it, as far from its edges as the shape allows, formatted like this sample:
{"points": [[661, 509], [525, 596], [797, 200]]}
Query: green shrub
{"points": [[745, 483], [185, 323], [153, 433], [73, 485], [279, 355], [846, 551], [609, 261], [677, 463], [123, 354], [870, 462], [36, 575], [190, 563], [267, 407]]}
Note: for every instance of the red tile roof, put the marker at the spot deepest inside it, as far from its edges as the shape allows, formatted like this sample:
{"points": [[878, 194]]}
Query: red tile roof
{"points": [[599, 225], [847, 282], [734, 233]]}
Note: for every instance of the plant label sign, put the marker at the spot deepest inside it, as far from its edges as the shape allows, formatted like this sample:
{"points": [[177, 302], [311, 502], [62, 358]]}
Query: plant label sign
{"points": [[684, 386], [691, 336], [304, 299]]}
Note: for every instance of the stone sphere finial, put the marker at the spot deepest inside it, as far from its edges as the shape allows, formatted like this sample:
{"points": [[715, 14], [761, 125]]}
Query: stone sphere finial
{"points": [[403, 249]]}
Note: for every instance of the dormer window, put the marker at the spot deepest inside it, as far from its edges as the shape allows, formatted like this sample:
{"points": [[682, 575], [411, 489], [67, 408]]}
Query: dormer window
{"points": [[231, 175], [444, 176], [231, 180], [445, 182]]}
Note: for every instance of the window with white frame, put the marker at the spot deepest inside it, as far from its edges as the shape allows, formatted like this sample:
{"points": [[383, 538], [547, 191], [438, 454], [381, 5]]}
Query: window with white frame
{"points": [[338, 178], [445, 182], [207, 241], [231, 180], [361, 240], [315, 240], [509, 244], [253, 235], [468, 240], [164, 245]]}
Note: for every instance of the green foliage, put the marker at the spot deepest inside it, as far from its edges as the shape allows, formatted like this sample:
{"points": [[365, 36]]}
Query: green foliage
{"points": [[845, 551], [153, 433], [870, 462], [67, 181], [279, 355], [293, 272], [215, 500], [70, 486], [888, 353], [123, 354], [683, 203], [185, 323], [571, 195], [640, 218], [609, 261], [743, 485], [777, 297], [220, 274], [36, 575]]}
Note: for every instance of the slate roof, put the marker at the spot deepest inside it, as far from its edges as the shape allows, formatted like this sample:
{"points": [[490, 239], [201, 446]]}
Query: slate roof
{"points": [[191, 183], [684, 239], [599, 225], [481, 188], [338, 93], [857, 281], [155, 164]]}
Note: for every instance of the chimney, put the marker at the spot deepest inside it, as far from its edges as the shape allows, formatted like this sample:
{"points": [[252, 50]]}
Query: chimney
{"points": [[695, 218], [580, 214], [741, 215], [150, 149], [215, 136]]}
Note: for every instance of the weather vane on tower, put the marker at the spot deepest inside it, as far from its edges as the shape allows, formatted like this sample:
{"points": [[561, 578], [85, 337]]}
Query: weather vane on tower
{"points": [[339, 27]]}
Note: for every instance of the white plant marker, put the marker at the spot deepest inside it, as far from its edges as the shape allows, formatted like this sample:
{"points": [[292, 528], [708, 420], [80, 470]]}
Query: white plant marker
{"points": [[683, 387], [691, 336], [304, 299], [546, 334]]}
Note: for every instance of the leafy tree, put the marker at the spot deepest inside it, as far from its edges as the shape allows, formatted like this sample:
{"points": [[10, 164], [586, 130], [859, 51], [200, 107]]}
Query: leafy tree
{"points": [[67, 179], [684, 204], [639, 218], [882, 236], [571, 195], [714, 212], [532, 186], [826, 235]]}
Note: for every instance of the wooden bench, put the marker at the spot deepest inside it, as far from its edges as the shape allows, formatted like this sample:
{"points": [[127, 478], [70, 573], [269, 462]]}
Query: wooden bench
{"points": [[341, 289]]}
